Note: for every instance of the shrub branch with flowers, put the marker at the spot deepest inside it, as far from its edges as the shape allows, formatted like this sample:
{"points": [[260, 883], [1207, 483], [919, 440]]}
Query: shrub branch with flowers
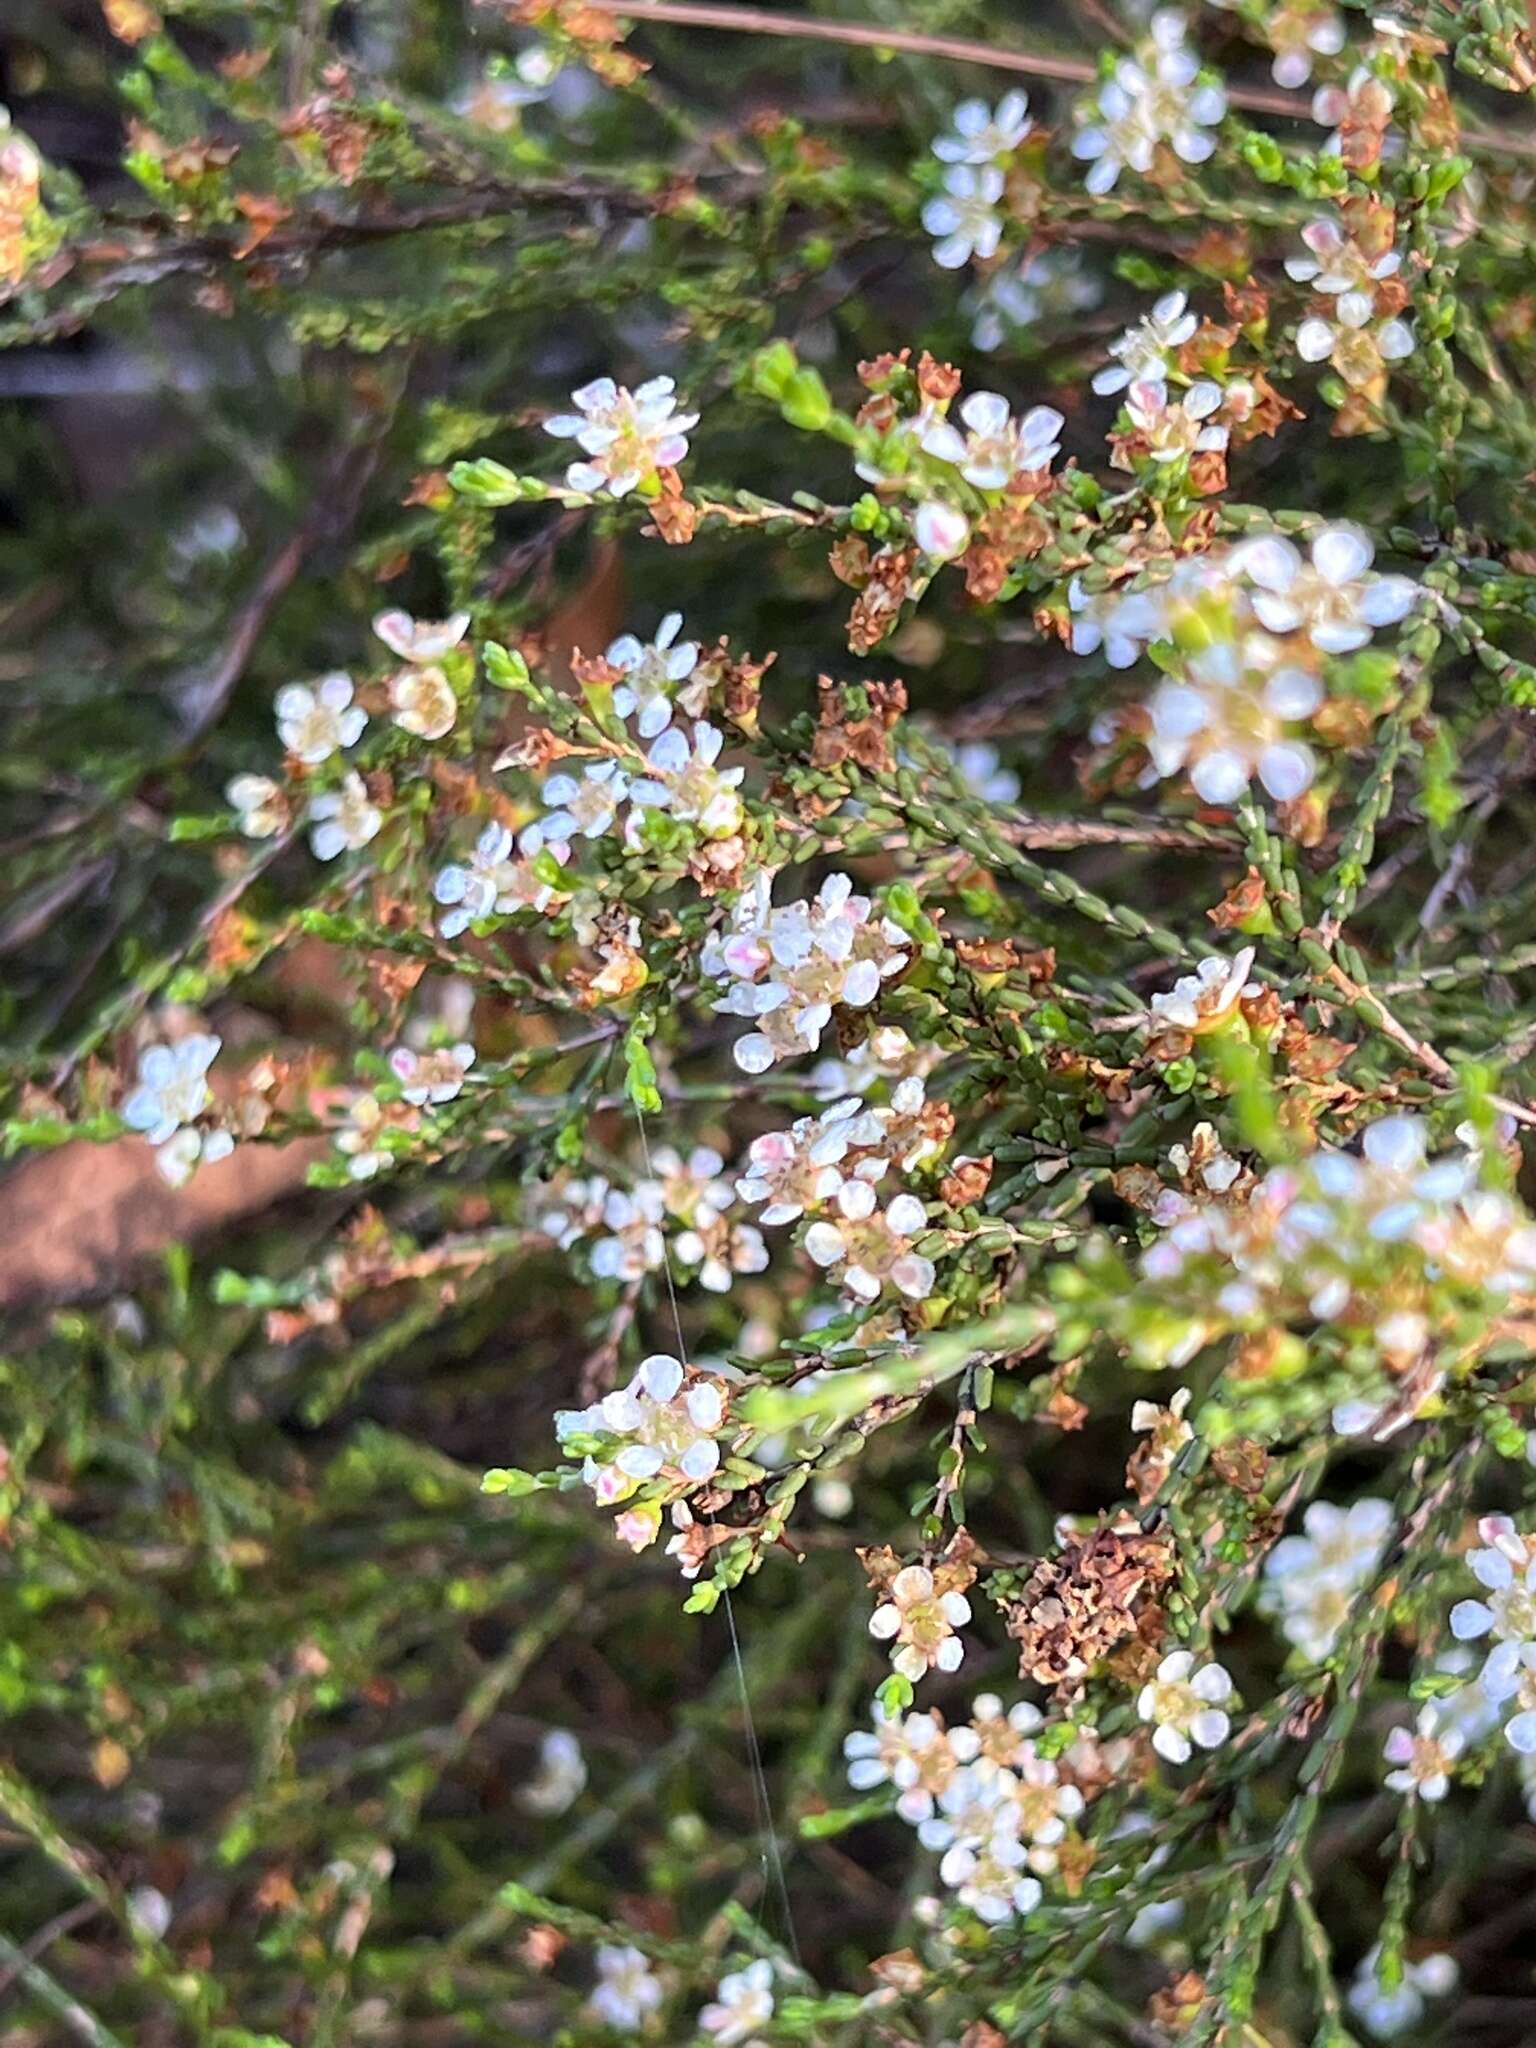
{"points": [[791, 887]]}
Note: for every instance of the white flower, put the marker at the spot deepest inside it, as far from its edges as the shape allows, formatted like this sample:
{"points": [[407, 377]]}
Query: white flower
{"points": [[180, 1156], [963, 218], [865, 1247], [651, 671], [1054, 284], [627, 1989], [1296, 31], [635, 1245], [628, 435], [940, 531], [685, 782], [358, 1139], [1203, 1001], [1045, 1805], [693, 1190], [1186, 1705], [492, 882], [982, 133], [987, 1877], [149, 1909], [1361, 107], [315, 723], [1359, 351], [1424, 1756], [423, 641], [743, 2003], [578, 1211], [172, 1087], [1386, 2013], [1142, 353], [343, 820], [1175, 428], [432, 1077], [560, 1778], [1506, 1568], [1311, 1582], [1336, 265], [915, 1754], [663, 1425], [1003, 1737], [495, 99], [1334, 599], [585, 804], [262, 805], [922, 1621], [1224, 718], [998, 447], [976, 1803], [982, 771], [1297, 34], [1510, 1676], [423, 702], [1153, 98]]}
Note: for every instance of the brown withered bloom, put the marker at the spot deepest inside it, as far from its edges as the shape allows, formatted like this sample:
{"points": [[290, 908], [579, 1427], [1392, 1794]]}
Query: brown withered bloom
{"points": [[854, 722], [1099, 1592], [1176, 2007]]}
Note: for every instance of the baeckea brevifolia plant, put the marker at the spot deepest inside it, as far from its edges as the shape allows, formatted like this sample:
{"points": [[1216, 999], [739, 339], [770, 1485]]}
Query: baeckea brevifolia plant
{"points": [[769, 1045]]}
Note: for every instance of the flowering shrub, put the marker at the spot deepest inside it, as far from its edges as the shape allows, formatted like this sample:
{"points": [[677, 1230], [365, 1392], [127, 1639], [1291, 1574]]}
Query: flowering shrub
{"points": [[814, 1329]]}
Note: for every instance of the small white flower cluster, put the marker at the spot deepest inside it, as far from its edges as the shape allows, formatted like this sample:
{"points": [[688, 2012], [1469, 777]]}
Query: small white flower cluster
{"points": [[683, 781], [886, 1055], [662, 1426], [1152, 100], [314, 724], [743, 2003], [627, 436], [1251, 627], [979, 1793], [316, 721], [1186, 1705], [1505, 1567], [656, 675], [787, 967], [168, 1103], [627, 1226], [420, 694], [963, 218], [627, 1992], [833, 1163], [1350, 335], [1367, 1242], [493, 882], [1311, 1582]]}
